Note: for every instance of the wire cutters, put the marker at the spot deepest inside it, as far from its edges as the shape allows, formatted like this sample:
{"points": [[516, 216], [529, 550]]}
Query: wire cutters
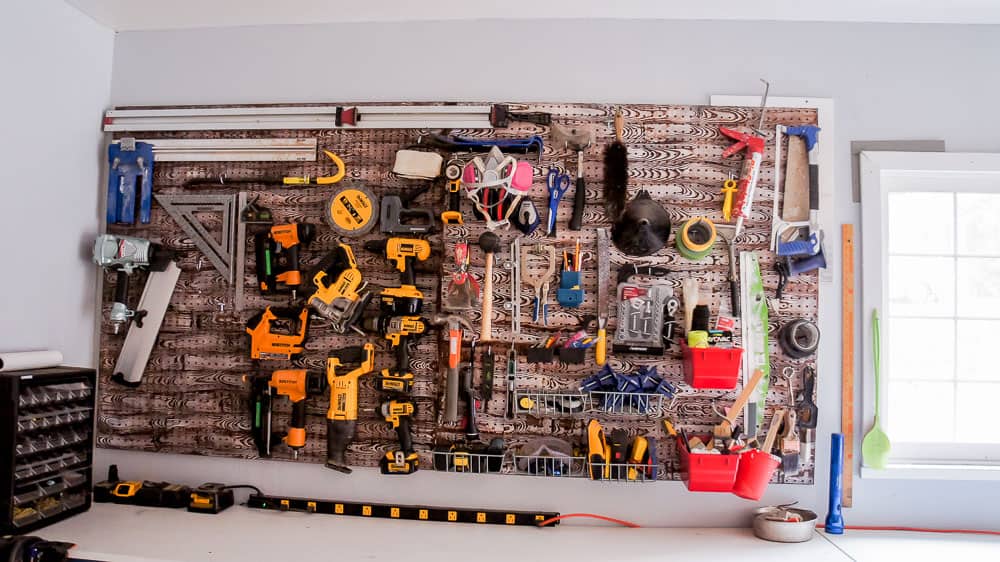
{"points": [[558, 182]]}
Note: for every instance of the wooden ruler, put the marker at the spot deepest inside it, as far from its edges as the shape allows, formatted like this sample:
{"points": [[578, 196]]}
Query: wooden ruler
{"points": [[847, 357]]}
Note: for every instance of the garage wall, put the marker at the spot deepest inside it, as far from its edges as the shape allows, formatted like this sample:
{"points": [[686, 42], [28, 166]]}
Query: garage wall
{"points": [[56, 69], [888, 81]]}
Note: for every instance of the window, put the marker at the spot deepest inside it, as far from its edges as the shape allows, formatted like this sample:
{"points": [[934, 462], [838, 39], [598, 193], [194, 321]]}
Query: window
{"points": [[931, 251]]}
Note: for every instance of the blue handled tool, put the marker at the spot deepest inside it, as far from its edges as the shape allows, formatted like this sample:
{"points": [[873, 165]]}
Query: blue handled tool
{"points": [[557, 182], [130, 162], [834, 515]]}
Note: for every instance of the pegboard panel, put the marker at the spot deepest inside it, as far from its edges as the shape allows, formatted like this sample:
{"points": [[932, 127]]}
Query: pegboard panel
{"points": [[193, 400]]}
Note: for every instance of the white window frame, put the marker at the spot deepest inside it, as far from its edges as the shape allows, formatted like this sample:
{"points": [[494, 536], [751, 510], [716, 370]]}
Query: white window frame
{"points": [[923, 171]]}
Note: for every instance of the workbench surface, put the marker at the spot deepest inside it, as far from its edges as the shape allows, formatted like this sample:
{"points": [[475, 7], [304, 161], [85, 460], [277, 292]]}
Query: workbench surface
{"points": [[117, 533]]}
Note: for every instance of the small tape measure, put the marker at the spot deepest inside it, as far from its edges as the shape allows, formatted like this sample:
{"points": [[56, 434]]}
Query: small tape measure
{"points": [[352, 210]]}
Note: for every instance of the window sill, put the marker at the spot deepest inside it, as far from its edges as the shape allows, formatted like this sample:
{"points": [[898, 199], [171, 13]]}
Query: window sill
{"points": [[932, 472]]}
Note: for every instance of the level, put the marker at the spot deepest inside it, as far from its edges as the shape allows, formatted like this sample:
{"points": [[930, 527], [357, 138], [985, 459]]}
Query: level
{"points": [[409, 512]]}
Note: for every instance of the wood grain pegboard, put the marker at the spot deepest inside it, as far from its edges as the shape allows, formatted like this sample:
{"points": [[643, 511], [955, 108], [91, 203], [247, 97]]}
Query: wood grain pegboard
{"points": [[193, 400]]}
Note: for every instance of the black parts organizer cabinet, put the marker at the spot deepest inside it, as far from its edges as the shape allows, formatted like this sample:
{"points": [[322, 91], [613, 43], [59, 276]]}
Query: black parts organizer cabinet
{"points": [[47, 435]]}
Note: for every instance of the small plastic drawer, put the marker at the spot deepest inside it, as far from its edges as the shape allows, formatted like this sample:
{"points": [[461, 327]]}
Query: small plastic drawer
{"points": [[712, 367], [707, 472]]}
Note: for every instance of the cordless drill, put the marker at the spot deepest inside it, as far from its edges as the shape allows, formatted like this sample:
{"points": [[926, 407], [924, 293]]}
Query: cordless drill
{"points": [[342, 416], [398, 330], [404, 460], [297, 385], [277, 251], [403, 252]]}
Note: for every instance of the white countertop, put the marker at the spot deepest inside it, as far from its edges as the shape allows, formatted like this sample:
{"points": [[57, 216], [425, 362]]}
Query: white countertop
{"points": [[117, 533]]}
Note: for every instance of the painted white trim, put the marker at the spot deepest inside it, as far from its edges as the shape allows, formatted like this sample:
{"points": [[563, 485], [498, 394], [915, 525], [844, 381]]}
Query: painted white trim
{"points": [[923, 171], [931, 472]]}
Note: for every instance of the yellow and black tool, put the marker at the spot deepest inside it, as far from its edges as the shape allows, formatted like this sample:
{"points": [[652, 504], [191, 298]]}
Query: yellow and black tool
{"points": [[277, 253], [453, 216], [729, 189], [278, 333], [340, 296], [352, 210], [403, 460], [343, 413], [597, 451], [403, 253], [283, 180], [638, 458], [398, 330]]}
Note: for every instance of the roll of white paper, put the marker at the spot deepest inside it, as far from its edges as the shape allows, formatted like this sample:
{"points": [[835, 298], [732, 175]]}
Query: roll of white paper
{"points": [[21, 360]]}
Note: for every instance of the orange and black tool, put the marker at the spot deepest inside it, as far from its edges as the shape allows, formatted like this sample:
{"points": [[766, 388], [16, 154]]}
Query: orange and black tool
{"points": [[297, 385], [278, 333], [277, 252], [342, 416]]}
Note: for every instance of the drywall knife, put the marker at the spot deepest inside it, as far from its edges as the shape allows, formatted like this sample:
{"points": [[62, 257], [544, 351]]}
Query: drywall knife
{"points": [[603, 277]]}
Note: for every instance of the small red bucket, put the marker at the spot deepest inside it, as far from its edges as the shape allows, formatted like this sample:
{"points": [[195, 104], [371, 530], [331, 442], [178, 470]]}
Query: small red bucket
{"points": [[755, 471]]}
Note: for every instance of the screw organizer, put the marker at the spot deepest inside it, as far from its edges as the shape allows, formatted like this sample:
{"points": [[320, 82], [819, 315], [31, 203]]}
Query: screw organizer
{"points": [[47, 434]]}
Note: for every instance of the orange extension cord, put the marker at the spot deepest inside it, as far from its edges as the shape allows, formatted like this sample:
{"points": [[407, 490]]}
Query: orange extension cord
{"points": [[629, 524], [917, 530]]}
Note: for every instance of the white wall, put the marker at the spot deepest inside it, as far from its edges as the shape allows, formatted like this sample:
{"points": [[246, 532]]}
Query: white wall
{"points": [[888, 81], [56, 68]]}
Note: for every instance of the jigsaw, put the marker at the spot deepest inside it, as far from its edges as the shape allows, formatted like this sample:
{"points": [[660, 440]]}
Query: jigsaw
{"points": [[340, 294]]}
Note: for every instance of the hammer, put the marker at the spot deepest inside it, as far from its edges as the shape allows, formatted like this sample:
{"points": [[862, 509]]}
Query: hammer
{"points": [[489, 243], [455, 325]]}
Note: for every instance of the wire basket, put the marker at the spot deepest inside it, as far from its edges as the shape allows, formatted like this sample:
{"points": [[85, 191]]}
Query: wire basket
{"points": [[469, 462], [551, 466]]}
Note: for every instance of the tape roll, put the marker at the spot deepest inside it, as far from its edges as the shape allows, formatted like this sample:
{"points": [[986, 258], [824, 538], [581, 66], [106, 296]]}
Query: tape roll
{"points": [[799, 338], [697, 338], [695, 238]]}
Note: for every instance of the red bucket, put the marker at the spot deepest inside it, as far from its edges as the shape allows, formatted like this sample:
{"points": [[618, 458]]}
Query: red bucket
{"points": [[755, 471]]}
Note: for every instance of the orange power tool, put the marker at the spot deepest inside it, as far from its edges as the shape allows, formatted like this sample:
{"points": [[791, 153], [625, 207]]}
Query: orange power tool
{"points": [[297, 385]]}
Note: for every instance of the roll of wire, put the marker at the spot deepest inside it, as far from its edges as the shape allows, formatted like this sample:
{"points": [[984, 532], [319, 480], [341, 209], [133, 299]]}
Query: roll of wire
{"points": [[695, 238]]}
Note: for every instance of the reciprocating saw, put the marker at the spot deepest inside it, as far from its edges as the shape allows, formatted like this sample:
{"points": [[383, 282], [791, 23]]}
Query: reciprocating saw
{"points": [[342, 416]]}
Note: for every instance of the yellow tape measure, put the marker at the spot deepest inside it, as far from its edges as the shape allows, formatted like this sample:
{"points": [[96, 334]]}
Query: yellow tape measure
{"points": [[352, 210]]}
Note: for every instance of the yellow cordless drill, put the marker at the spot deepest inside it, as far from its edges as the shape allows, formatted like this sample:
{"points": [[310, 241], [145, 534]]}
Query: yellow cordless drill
{"points": [[404, 460], [403, 252], [342, 416], [398, 330]]}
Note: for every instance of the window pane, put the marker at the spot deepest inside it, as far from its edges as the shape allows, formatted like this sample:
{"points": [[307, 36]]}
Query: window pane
{"points": [[977, 358], [921, 286], [979, 287], [977, 413], [921, 411], [921, 223], [909, 354], [978, 224]]}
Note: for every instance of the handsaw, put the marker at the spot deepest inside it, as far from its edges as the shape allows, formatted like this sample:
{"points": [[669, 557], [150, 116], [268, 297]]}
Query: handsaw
{"points": [[603, 278]]}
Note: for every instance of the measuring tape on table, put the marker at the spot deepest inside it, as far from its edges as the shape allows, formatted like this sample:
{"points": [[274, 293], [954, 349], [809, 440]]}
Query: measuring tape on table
{"points": [[695, 238]]}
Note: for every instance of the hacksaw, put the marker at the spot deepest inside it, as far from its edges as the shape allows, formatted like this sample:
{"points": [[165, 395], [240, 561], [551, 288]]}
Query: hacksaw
{"points": [[755, 341]]}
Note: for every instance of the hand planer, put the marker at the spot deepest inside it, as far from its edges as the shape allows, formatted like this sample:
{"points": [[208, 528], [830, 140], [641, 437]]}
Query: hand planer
{"points": [[340, 294], [278, 333]]}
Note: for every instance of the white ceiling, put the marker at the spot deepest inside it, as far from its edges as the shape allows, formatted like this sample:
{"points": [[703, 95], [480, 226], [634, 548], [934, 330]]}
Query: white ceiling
{"points": [[130, 15]]}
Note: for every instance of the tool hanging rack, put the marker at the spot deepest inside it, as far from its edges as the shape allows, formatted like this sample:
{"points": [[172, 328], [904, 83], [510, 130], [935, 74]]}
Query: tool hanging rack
{"points": [[675, 155]]}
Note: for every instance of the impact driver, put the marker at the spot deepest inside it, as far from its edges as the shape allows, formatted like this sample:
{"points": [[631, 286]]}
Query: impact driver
{"points": [[404, 460]]}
